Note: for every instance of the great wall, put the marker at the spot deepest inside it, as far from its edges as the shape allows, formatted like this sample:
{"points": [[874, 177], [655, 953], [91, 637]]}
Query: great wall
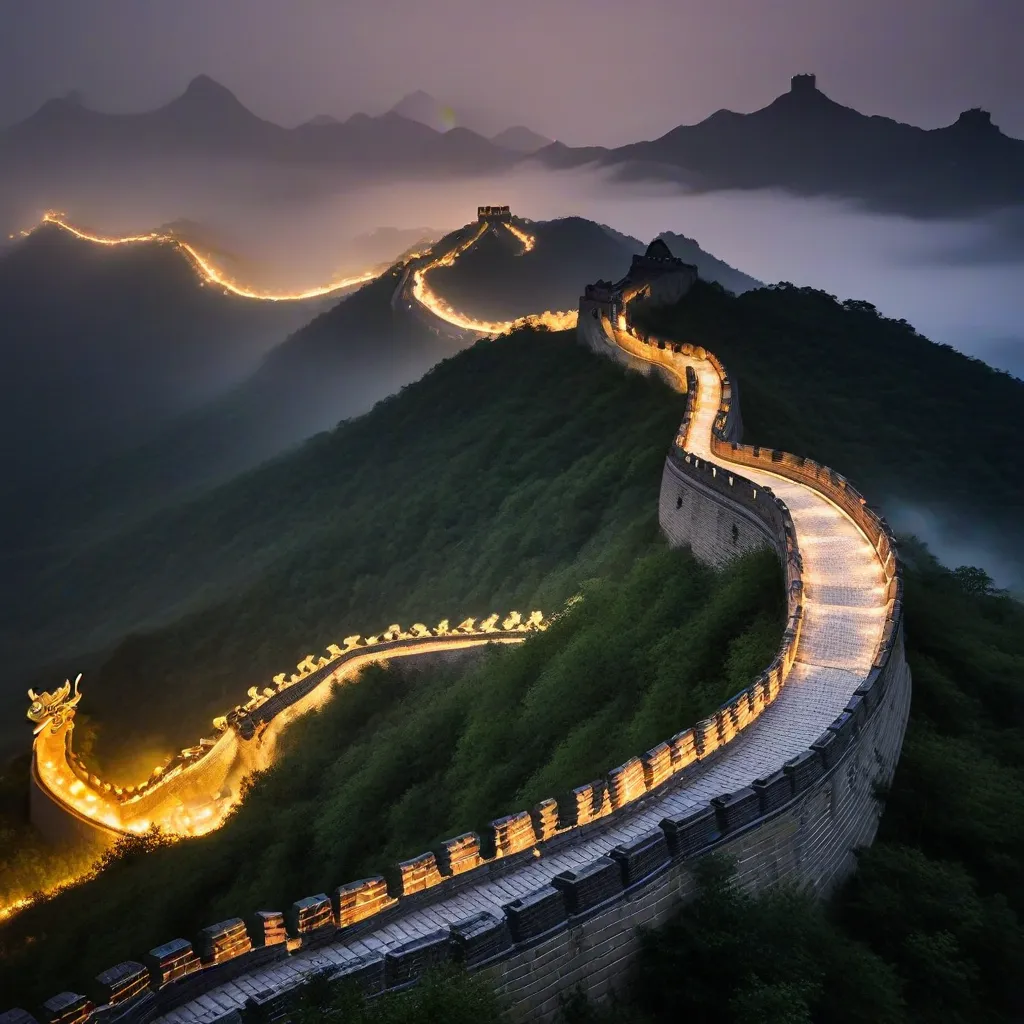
{"points": [[783, 778]]}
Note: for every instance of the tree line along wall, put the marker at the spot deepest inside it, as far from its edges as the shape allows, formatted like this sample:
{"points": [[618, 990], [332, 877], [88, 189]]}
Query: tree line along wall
{"points": [[800, 823]]}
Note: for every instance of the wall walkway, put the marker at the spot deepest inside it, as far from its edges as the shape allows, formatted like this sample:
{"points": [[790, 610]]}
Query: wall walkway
{"points": [[782, 778]]}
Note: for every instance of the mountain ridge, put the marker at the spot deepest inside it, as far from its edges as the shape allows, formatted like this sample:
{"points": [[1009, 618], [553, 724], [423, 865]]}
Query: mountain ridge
{"points": [[805, 142], [207, 119], [802, 142]]}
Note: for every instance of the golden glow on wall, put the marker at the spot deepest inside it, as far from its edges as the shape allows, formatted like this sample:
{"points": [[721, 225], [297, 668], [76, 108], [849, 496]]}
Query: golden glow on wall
{"points": [[206, 268], [838, 608], [430, 300], [195, 791], [528, 241]]}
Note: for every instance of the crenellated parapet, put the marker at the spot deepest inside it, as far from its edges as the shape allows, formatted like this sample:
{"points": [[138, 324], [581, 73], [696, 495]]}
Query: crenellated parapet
{"points": [[783, 777], [193, 792], [493, 215]]}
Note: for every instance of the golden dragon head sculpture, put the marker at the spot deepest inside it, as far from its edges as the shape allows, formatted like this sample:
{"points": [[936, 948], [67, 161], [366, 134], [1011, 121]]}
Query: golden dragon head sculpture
{"points": [[53, 709]]}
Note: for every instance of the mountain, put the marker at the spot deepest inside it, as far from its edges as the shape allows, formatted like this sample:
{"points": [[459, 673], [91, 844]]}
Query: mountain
{"points": [[709, 267], [421, 106], [461, 150], [72, 503], [334, 367], [808, 144], [516, 474], [362, 141], [495, 280], [101, 344], [208, 121], [521, 139], [103, 348]]}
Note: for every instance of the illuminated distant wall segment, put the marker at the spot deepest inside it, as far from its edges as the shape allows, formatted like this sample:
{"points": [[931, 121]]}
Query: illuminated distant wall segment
{"points": [[194, 792]]}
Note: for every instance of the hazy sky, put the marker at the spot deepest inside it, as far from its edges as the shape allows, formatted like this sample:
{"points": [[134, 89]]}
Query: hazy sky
{"points": [[601, 71]]}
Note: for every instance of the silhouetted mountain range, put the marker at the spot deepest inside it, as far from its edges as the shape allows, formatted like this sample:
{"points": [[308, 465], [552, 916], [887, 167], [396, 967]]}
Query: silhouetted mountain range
{"points": [[802, 142], [421, 106], [808, 144], [207, 120]]}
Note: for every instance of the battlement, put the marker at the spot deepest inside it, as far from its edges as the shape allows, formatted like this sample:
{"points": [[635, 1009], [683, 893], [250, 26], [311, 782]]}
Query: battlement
{"points": [[493, 215], [656, 276], [792, 806], [194, 792]]}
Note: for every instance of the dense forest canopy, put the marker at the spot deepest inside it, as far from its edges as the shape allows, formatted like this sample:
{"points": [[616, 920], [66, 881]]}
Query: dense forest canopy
{"points": [[521, 473], [911, 423]]}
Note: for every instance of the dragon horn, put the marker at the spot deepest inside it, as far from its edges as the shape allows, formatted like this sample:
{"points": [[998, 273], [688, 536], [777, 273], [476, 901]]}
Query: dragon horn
{"points": [[78, 679], [32, 695]]}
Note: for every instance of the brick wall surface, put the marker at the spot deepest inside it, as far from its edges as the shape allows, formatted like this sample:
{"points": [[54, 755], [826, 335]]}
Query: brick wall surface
{"points": [[564, 889], [809, 843]]}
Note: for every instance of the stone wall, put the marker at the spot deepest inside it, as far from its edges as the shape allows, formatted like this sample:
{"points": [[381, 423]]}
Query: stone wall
{"points": [[801, 822], [716, 526], [800, 825], [808, 841], [59, 824], [67, 800]]}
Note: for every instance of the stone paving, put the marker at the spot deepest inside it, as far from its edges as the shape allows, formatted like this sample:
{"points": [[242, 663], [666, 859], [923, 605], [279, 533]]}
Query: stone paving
{"points": [[844, 610]]}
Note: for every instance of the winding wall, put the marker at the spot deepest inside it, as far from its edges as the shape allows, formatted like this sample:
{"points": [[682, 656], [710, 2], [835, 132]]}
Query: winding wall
{"points": [[194, 792], [782, 778]]}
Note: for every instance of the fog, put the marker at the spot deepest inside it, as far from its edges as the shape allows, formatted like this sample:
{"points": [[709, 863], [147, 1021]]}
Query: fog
{"points": [[956, 539], [957, 282]]}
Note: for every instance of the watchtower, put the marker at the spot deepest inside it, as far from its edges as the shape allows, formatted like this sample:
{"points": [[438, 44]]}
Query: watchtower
{"points": [[493, 215]]}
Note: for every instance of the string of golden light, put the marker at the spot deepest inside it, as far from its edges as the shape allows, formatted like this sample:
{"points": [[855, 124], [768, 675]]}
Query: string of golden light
{"points": [[205, 267], [555, 320], [54, 772]]}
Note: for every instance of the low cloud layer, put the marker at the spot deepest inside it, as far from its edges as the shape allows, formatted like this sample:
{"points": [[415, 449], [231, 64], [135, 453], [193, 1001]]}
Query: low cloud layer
{"points": [[956, 281]]}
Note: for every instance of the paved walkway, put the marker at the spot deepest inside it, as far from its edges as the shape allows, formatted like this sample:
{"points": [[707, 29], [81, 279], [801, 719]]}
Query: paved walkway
{"points": [[844, 610]]}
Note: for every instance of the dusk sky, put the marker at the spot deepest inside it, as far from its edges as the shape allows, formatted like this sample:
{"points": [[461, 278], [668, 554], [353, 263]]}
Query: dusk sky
{"points": [[584, 71]]}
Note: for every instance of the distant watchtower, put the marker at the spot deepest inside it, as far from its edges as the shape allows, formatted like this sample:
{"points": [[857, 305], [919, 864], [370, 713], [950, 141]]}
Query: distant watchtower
{"points": [[493, 215], [803, 83]]}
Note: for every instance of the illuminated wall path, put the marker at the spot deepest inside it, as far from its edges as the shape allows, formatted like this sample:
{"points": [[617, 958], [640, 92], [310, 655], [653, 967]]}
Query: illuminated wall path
{"points": [[193, 793], [207, 270], [782, 778]]}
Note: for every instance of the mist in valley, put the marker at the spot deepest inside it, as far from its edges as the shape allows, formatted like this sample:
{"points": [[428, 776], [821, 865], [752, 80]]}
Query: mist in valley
{"points": [[287, 228], [958, 539]]}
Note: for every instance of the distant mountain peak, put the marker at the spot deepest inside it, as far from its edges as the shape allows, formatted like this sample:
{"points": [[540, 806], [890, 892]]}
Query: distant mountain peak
{"points": [[421, 106], [521, 139], [976, 120], [62, 104], [204, 85], [206, 91], [805, 99], [416, 96]]}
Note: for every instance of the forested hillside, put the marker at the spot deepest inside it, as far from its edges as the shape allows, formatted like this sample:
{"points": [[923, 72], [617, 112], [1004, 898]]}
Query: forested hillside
{"points": [[502, 479], [929, 930], [521, 473], [913, 424]]}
